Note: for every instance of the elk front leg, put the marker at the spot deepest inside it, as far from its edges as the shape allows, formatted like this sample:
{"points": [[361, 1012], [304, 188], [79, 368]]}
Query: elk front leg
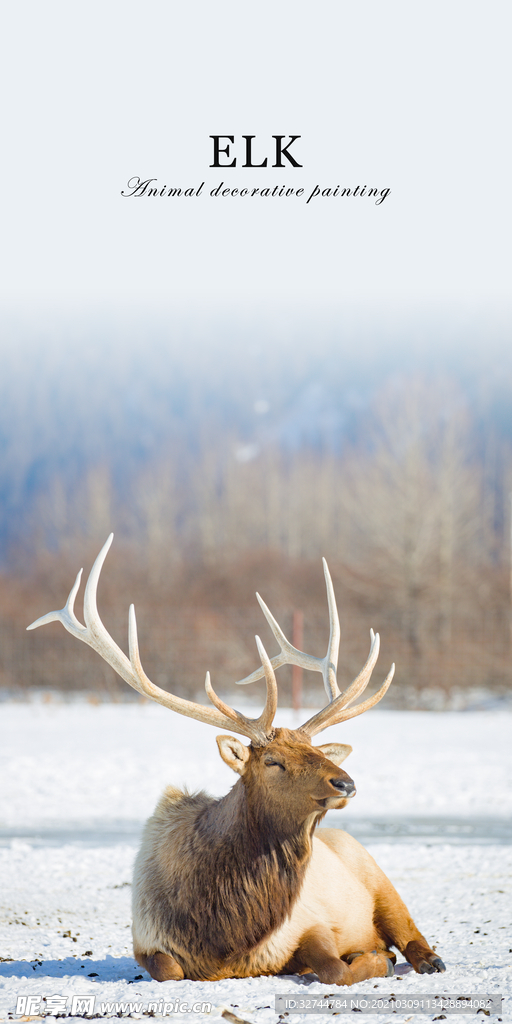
{"points": [[396, 928], [392, 921], [317, 952]]}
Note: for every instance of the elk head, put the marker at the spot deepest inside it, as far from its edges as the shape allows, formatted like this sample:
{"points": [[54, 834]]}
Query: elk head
{"points": [[288, 780], [281, 764]]}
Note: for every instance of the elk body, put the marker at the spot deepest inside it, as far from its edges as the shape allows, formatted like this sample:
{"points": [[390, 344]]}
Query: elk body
{"points": [[244, 885]]}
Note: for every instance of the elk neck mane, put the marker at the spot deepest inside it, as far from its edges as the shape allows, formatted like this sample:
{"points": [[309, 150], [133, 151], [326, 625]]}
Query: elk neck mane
{"points": [[234, 877]]}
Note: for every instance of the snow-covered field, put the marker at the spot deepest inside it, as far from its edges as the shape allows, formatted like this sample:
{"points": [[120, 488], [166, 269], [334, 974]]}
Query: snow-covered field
{"points": [[74, 774]]}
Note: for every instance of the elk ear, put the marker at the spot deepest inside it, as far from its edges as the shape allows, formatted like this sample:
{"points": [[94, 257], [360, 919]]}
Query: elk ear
{"points": [[234, 753], [336, 752]]}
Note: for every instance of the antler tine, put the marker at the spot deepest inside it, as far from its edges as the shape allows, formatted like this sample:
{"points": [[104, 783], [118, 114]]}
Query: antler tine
{"points": [[91, 614], [258, 729], [65, 615], [361, 681], [269, 711], [229, 713], [344, 714], [339, 711], [331, 685], [291, 656], [103, 643]]}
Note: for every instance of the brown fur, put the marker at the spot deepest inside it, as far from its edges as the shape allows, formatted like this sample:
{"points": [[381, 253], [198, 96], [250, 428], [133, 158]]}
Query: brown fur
{"points": [[246, 885]]}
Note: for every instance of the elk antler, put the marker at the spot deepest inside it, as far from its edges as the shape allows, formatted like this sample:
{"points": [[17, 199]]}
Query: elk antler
{"points": [[338, 709], [258, 730]]}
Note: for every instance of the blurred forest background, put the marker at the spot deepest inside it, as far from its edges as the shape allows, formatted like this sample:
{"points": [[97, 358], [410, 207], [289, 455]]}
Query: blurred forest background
{"points": [[226, 467]]}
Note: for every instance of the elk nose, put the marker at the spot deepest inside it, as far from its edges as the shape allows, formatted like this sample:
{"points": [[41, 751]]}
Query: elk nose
{"points": [[345, 787]]}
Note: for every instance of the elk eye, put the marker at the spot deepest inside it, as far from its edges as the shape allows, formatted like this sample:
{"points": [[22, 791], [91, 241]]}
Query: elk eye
{"points": [[278, 764]]}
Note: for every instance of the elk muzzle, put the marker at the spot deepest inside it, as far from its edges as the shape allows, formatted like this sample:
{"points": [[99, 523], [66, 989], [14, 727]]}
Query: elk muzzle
{"points": [[338, 789], [345, 787]]}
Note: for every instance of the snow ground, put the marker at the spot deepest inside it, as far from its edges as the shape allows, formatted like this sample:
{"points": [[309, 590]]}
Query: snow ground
{"points": [[65, 907]]}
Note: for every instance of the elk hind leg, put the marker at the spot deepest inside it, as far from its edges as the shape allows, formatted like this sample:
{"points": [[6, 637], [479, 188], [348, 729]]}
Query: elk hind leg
{"points": [[317, 952], [161, 966]]}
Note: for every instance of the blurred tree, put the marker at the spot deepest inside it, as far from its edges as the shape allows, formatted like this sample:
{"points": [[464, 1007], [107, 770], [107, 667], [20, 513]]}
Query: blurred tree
{"points": [[414, 500]]}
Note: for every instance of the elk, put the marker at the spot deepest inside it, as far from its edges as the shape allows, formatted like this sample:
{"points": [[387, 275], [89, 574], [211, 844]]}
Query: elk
{"points": [[244, 885]]}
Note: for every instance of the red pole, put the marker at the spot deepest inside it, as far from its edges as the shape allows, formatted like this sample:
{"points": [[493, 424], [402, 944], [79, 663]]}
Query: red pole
{"points": [[297, 641]]}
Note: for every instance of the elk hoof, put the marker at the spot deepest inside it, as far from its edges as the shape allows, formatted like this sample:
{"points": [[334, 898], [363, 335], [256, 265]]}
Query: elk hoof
{"points": [[439, 965], [352, 956], [403, 968], [423, 959], [434, 964], [391, 969]]}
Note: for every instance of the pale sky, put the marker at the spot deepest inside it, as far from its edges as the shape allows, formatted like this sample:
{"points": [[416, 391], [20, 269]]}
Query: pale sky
{"points": [[413, 97]]}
